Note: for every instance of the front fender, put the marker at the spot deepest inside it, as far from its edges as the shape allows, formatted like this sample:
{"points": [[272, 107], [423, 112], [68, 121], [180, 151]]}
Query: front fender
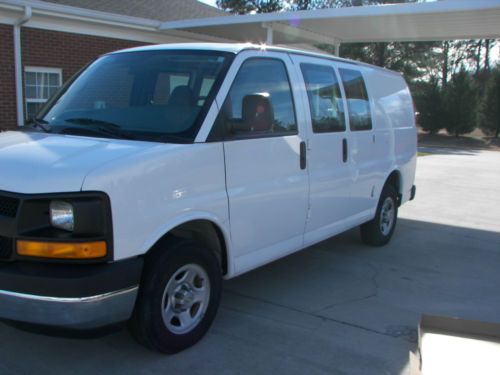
{"points": [[187, 217]]}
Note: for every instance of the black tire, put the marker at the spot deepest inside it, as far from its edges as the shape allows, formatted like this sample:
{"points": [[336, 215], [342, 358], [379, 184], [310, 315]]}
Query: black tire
{"points": [[156, 330], [378, 231]]}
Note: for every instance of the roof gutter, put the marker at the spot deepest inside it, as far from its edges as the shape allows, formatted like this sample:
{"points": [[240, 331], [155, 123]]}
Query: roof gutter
{"points": [[18, 63], [64, 11]]}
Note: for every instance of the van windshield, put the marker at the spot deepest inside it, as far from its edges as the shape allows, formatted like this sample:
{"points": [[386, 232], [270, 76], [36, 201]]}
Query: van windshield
{"points": [[148, 95]]}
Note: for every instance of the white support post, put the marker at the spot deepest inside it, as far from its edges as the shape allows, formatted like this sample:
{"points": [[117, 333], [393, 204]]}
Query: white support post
{"points": [[269, 32], [18, 70], [269, 37], [18, 63], [337, 49]]}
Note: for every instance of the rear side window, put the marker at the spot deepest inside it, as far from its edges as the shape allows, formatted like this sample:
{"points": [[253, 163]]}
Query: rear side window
{"points": [[325, 99], [360, 117], [259, 103]]}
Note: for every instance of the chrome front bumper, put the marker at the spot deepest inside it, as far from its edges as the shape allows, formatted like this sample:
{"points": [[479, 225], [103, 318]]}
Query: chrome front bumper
{"points": [[76, 313]]}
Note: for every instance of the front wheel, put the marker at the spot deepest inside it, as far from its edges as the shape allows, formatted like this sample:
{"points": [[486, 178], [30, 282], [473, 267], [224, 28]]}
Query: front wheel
{"points": [[378, 231], [178, 297]]}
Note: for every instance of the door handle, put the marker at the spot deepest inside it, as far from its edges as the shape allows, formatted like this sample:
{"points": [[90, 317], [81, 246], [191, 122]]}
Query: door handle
{"points": [[344, 150], [303, 155]]}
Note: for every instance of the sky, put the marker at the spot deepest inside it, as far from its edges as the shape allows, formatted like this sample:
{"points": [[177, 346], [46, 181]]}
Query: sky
{"points": [[209, 2]]}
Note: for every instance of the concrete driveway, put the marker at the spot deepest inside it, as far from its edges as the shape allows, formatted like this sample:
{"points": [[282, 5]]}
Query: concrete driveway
{"points": [[336, 308]]}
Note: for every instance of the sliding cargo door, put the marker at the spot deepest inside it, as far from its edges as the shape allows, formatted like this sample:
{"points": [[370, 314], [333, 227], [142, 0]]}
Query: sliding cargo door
{"points": [[328, 159], [362, 151]]}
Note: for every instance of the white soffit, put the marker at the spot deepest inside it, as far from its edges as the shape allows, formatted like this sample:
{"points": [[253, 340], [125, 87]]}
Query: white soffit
{"points": [[440, 20], [64, 18]]}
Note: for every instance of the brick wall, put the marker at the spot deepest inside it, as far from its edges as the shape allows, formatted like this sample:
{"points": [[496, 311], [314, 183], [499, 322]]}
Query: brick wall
{"points": [[7, 80], [70, 52], [44, 48]]}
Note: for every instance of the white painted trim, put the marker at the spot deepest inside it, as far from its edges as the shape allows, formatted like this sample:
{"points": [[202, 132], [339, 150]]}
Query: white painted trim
{"points": [[35, 100], [42, 69], [50, 16], [42, 7], [104, 31], [83, 27]]}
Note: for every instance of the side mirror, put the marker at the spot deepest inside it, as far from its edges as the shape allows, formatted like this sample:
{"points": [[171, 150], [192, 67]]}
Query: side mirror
{"points": [[257, 113]]}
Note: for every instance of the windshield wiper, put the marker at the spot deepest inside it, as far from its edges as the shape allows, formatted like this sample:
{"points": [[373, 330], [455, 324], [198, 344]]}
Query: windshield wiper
{"points": [[87, 124], [100, 126], [92, 121], [41, 124], [172, 138]]}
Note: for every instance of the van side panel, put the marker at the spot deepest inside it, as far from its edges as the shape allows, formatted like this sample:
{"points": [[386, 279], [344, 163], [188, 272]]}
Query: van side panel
{"points": [[159, 189], [394, 128]]}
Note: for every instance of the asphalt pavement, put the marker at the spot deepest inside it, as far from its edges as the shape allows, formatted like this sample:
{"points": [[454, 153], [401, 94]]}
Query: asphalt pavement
{"points": [[339, 307]]}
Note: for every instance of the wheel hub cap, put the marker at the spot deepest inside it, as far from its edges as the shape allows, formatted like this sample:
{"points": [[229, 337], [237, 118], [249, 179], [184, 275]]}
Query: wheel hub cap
{"points": [[185, 298], [387, 215], [182, 298]]}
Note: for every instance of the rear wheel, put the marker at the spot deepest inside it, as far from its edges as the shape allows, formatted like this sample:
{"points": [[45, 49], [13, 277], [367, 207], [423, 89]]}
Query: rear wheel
{"points": [[378, 231], [178, 298]]}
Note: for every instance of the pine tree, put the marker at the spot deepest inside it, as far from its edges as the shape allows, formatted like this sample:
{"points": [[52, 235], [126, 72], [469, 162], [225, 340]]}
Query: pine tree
{"points": [[429, 101], [460, 104], [250, 6], [489, 118]]}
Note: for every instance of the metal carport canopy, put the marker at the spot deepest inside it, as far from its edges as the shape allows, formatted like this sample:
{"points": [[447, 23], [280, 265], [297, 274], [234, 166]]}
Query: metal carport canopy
{"points": [[441, 20]]}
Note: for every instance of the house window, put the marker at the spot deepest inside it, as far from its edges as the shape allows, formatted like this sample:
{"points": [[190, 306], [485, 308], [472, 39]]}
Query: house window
{"points": [[40, 85]]}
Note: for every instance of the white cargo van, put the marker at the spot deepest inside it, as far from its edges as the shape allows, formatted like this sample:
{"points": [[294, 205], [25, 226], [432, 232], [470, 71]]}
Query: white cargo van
{"points": [[159, 171]]}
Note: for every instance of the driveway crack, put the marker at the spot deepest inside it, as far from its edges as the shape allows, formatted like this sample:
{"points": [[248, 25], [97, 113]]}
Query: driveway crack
{"points": [[374, 293], [314, 314]]}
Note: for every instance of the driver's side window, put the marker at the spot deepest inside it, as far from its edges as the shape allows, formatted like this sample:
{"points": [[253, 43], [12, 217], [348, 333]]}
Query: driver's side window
{"points": [[259, 103]]}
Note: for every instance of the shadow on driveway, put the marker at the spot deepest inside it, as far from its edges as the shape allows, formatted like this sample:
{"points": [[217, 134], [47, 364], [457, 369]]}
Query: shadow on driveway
{"points": [[447, 151]]}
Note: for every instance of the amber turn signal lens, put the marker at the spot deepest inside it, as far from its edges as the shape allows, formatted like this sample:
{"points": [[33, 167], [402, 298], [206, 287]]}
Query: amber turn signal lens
{"points": [[62, 250]]}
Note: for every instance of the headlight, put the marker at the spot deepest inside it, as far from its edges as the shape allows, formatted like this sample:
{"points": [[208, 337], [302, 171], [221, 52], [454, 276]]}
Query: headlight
{"points": [[61, 215], [65, 226]]}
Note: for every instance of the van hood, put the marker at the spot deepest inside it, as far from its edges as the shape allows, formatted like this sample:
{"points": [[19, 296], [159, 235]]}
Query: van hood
{"points": [[33, 163]]}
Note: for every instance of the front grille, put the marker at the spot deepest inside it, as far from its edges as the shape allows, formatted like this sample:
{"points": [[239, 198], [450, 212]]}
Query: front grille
{"points": [[5, 247], [8, 206]]}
